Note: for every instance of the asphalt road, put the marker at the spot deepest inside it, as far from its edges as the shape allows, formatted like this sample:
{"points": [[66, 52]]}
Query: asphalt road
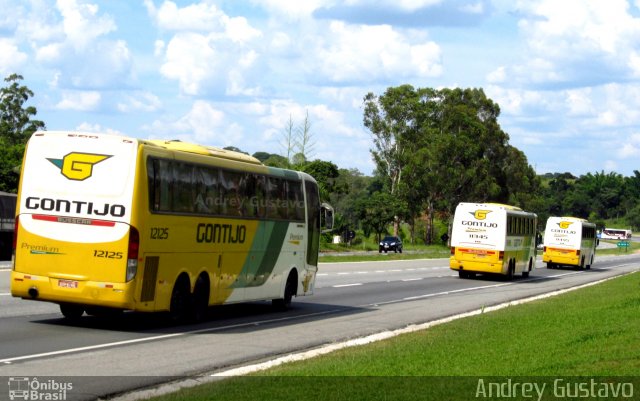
{"points": [[102, 357]]}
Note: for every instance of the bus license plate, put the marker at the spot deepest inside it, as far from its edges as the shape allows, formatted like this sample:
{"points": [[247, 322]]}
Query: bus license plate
{"points": [[67, 284]]}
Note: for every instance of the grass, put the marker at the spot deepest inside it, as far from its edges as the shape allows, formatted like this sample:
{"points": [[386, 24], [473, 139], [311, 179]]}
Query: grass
{"points": [[331, 255], [592, 332]]}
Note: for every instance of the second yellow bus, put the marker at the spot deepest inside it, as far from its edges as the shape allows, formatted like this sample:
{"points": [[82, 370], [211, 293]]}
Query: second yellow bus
{"points": [[492, 238], [569, 241]]}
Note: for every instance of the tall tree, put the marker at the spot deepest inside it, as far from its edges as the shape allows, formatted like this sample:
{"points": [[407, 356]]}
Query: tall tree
{"points": [[16, 126], [305, 143], [393, 120], [436, 148]]}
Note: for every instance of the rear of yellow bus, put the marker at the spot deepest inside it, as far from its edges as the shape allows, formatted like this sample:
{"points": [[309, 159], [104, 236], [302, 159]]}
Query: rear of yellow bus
{"points": [[478, 240], [74, 244], [562, 242]]}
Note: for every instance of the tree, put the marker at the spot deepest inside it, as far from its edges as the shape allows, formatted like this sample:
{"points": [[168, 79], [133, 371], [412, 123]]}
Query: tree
{"points": [[436, 148], [377, 211], [325, 173], [393, 121], [16, 126], [288, 140]]}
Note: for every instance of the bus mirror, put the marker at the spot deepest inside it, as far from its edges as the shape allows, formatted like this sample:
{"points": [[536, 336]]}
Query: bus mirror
{"points": [[326, 217]]}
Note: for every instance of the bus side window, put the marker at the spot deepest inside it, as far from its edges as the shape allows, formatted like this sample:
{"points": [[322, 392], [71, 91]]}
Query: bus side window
{"points": [[276, 198], [258, 198], [295, 200], [230, 190], [182, 188], [153, 184], [204, 185], [164, 174]]}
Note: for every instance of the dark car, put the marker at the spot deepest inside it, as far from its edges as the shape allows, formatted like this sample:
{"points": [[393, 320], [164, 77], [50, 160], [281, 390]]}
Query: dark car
{"points": [[390, 244]]}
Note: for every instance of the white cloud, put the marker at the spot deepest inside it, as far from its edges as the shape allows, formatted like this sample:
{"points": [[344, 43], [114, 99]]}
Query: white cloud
{"points": [[579, 102], [367, 53], [629, 150], [292, 9], [79, 100], [192, 60], [97, 128], [145, 101], [209, 52], [497, 76], [72, 40], [576, 40], [81, 23], [203, 123], [202, 17], [11, 58]]}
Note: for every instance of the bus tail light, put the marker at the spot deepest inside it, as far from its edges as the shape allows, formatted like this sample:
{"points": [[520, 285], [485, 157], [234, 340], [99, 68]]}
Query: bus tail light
{"points": [[501, 255], [132, 253], [578, 252], [453, 251]]}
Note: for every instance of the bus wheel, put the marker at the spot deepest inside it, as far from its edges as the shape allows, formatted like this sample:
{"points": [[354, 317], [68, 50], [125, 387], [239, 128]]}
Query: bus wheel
{"points": [[180, 300], [510, 271], [463, 274], [71, 311], [201, 298], [526, 272], [290, 290]]}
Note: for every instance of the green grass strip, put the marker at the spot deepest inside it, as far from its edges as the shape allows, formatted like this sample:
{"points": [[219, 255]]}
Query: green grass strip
{"points": [[583, 344]]}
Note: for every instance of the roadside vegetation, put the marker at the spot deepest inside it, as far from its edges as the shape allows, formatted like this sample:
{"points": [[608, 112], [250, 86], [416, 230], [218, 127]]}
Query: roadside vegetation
{"points": [[587, 334]]}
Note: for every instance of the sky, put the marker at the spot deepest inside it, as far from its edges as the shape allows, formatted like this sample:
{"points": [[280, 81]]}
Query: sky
{"points": [[566, 74]]}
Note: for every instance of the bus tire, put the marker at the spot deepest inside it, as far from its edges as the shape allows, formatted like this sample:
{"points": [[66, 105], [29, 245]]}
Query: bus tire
{"points": [[200, 301], [290, 290], [71, 311], [180, 305], [510, 270], [525, 273]]}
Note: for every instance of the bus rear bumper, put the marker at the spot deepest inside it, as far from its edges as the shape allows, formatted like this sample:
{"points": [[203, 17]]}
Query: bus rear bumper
{"points": [[560, 260], [477, 267], [42, 288]]}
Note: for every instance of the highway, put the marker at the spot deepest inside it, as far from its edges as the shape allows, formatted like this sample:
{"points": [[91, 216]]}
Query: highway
{"points": [[109, 356]]}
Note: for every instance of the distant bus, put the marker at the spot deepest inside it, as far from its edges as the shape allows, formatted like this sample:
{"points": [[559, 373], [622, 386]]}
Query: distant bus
{"points": [[492, 238], [107, 222], [615, 233], [569, 241]]}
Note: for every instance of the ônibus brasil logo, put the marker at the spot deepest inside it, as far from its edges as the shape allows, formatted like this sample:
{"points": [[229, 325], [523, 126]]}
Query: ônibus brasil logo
{"points": [[480, 214], [78, 166], [565, 224]]}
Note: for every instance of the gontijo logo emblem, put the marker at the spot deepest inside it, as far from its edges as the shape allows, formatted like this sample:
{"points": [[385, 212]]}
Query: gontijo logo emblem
{"points": [[565, 224], [480, 214], [78, 166]]}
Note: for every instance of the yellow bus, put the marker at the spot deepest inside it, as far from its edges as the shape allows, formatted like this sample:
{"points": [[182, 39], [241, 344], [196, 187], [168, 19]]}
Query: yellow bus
{"points": [[569, 241], [492, 238], [108, 222]]}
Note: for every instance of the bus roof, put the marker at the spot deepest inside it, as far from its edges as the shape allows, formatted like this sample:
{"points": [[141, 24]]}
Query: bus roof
{"points": [[569, 218], [204, 150]]}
